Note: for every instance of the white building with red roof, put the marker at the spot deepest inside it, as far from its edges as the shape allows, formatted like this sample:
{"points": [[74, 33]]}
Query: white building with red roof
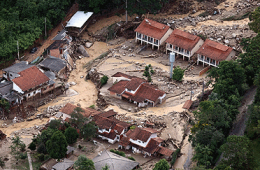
{"points": [[152, 32], [183, 43], [212, 53], [136, 90]]}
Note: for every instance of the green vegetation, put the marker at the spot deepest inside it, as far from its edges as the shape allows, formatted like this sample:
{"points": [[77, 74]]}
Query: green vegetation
{"points": [[92, 106], [77, 119], [103, 80], [174, 156], [133, 6], [55, 124], [32, 146], [2, 163], [255, 20], [106, 167], [17, 147], [71, 135], [83, 163], [148, 72], [24, 21], [121, 153], [131, 158], [57, 145], [162, 165], [88, 131], [236, 17], [178, 74]]}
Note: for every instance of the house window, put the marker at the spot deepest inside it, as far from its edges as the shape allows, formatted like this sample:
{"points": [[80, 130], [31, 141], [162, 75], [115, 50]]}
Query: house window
{"points": [[201, 57], [176, 48], [139, 35], [170, 46], [156, 42], [118, 95], [11, 75], [29, 94], [188, 52], [34, 92]]}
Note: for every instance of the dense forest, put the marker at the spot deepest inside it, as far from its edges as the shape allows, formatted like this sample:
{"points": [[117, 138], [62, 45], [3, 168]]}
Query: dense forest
{"points": [[24, 21]]}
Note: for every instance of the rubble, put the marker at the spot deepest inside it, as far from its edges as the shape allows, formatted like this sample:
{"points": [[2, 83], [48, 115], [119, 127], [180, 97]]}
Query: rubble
{"points": [[2, 135], [82, 51]]}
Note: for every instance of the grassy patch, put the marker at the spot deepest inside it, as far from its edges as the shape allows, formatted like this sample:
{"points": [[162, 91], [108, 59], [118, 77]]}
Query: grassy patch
{"points": [[255, 147]]}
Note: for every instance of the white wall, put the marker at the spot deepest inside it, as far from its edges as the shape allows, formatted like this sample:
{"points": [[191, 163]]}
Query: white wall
{"points": [[17, 88], [231, 55], [197, 46], [166, 35], [143, 143], [119, 79]]}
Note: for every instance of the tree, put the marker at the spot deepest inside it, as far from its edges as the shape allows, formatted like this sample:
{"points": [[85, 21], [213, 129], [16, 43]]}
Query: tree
{"points": [[254, 17], [77, 119], [57, 145], [236, 152], [2, 163], [5, 105], [140, 7], [203, 155], [229, 80], [148, 72], [174, 156], [162, 165], [71, 135], [103, 80], [84, 163], [250, 60], [17, 146], [55, 124], [89, 130], [32, 146], [178, 74]]}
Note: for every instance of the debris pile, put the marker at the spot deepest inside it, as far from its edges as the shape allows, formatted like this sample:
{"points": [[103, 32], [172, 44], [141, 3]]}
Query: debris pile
{"points": [[2, 135]]}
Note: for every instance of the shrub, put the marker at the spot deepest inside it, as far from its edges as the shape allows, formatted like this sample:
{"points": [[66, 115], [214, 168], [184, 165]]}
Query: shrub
{"points": [[174, 156], [92, 106], [32, 146], [41, 157], [103, 80], [42, 149], [178, 74], [71, 135], [79, 146], [133, 127], [121, 153], [23, 155], [22, 147], [131, 158], [2, 163]]}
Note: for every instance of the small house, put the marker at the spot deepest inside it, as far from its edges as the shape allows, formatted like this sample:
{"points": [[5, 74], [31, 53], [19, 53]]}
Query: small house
{"points": [[183, 43], [212, 53], [152, 32]]}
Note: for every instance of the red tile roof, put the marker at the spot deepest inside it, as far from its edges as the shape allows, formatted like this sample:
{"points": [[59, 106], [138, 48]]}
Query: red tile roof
{"points": [[152, 29], [69, 108], [152, 146], [187, 104], [111, 135], [147, 91], [119, 74], [214, 50], [108, 113], [119, 87], [140, 134], [183, 39], [165, 151], [30, 78], [124, 141], [134, 83]]}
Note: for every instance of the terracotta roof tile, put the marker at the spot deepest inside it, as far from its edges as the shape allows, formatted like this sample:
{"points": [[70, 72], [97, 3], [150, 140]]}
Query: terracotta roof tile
{"points": [[119, 74], [30, 78], [140, 134], [69, 108], [152, 29], [134, 83], [111, 135], [187, 104], [108, 113], [165, 151], [119, 87], [214, 50], [183, 39], [124, 141], [152, 146], [147, 91]]}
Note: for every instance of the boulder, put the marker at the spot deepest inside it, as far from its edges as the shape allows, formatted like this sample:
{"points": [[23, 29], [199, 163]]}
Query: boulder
{"points": [[83, 51]]}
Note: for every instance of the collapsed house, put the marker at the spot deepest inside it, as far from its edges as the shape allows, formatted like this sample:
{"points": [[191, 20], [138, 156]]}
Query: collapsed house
{"points": [[152, 32], [212, 53], [136, 90], [145, 141], [183, 43]]}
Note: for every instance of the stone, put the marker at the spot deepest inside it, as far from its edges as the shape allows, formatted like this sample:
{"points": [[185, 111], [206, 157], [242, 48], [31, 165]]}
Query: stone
{"points": [[88, 44], [226, 41], [234, 35]]}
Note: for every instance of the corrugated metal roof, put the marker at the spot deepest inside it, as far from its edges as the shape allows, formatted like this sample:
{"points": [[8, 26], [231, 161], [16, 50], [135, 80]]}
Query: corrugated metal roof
{"points": [[78, 19]]}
